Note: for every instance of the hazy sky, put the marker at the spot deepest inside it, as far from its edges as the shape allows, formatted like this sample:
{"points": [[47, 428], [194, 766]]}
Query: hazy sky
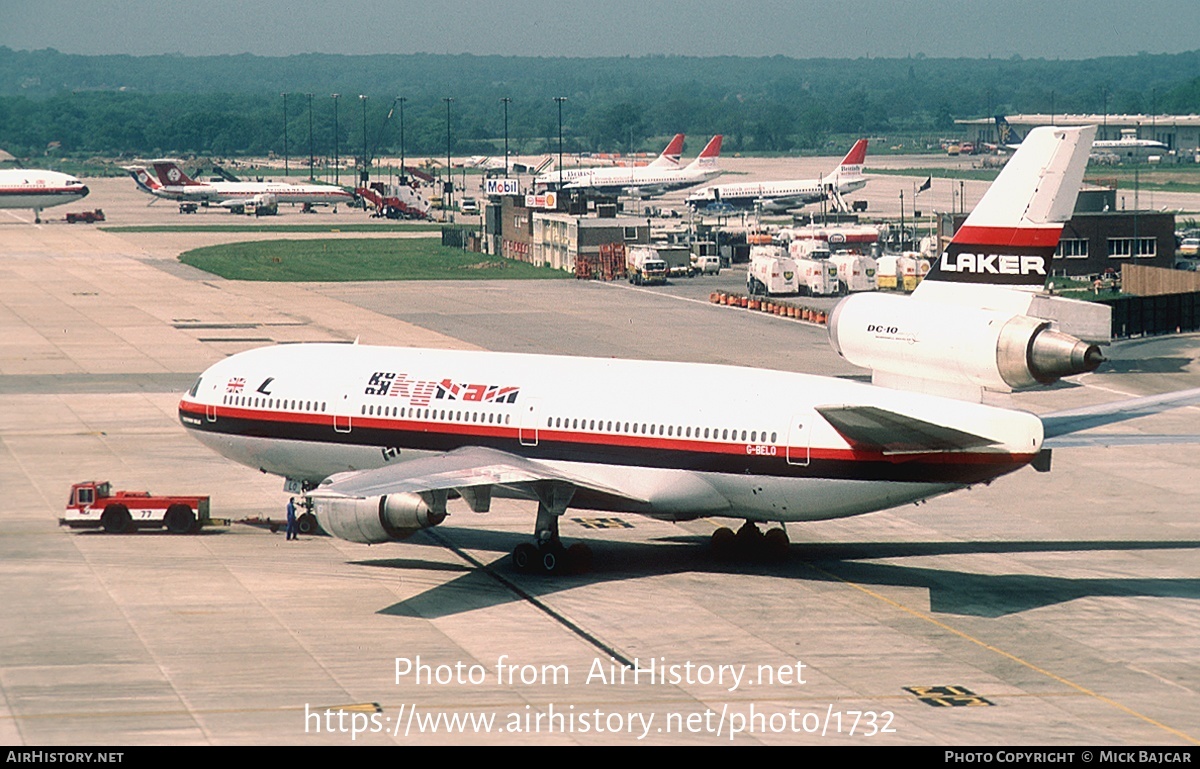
{"points": [[1068, 29]]}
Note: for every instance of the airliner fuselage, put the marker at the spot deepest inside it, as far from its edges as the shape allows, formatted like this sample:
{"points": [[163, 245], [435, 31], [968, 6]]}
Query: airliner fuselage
{"points": [[749, 444]]}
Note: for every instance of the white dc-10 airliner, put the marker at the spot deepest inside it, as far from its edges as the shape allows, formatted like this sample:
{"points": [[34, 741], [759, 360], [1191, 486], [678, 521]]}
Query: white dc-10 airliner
{"points": [[381, 437]]}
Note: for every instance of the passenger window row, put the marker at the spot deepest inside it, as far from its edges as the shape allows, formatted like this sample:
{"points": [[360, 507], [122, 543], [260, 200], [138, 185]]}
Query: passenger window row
{"points": [[441, 415], [281, 404], [669, 431]]}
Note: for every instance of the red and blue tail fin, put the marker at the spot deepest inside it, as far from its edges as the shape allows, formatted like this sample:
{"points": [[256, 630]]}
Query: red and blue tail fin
{"points": [[670, 156]]}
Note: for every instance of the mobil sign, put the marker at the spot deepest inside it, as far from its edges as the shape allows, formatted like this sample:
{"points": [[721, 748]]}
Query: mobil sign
{"points": [[502, 187]]}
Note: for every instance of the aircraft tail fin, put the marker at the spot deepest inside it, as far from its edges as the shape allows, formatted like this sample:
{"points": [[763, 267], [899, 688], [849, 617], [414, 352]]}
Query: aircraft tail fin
{"points": [[670, 156], [170, 174], [1007, 135], [1010, 236], [851, 166], [145, 181], [707, 159]]}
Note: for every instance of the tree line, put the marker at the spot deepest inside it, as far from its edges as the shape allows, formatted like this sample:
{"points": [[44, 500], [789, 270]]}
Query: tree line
{"points": [[54, 103]]}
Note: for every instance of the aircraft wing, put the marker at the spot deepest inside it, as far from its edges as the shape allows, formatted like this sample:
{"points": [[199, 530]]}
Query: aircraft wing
{"points": [[468, 467], [876, 429], [1059, 427]]}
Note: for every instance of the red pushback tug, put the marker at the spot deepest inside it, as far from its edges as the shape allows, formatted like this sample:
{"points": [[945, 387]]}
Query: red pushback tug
{"points": [[94, 505]]}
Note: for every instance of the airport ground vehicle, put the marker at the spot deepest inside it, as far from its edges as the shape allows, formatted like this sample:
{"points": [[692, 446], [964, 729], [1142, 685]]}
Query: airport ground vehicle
{"points": [[468, 206], [644, 267], [901, 272], [772, 272], [706, 265], [679, 260], [85, 217], [397, 201], [856, 272], [817, 275], [94, 505]]}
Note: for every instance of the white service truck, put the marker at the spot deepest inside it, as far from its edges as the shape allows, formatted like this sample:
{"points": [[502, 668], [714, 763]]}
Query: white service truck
{"points": [[772, 272], [644, 267]]}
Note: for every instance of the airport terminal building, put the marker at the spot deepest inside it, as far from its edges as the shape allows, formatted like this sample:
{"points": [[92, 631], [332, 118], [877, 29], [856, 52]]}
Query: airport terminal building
{"points": [[1181, 133]]}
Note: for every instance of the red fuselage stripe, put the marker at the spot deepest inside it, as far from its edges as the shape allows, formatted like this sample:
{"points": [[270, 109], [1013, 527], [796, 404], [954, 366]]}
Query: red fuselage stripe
{"points": [[662, 443]]}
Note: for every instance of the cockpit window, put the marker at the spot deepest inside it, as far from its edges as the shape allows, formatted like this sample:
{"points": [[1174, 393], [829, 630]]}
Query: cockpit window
{"points": [[195, 388]]}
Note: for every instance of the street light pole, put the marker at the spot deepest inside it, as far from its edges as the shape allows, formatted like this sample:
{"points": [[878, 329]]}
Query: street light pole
{"points": [[365, 175], [505, 100], [285, 141], [337, 166], [403, 178], [560, 100], [311, 157], [448, 185]]}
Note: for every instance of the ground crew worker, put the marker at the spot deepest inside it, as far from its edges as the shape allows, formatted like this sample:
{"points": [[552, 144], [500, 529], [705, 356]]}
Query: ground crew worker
{"points": [[292, 532]]}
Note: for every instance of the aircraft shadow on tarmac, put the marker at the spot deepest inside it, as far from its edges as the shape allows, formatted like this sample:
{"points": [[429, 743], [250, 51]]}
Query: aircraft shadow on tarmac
{"points": [[1148, 366], [950, 591]]}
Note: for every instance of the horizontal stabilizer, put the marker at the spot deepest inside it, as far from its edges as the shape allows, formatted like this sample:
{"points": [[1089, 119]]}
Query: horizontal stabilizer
{"points": [[1075, 420], [1109, 440], [876, 429], [463, 468]]}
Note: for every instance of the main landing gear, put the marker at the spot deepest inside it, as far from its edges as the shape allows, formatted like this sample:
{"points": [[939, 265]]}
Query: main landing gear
{"points": [[750, 543], [548, 555]]}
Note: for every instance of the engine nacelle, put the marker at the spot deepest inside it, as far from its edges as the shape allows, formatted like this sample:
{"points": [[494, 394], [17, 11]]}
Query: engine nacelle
{"points": [[376, 519], [915, 339]]}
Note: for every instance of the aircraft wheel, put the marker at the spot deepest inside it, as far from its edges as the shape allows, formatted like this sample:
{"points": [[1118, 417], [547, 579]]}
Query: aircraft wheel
{"points": [[116, 519], [748, 537], [579, 558], [307, 524], [524, 556], [723, 542], [180, 519], [775, 543], [553, 559]]}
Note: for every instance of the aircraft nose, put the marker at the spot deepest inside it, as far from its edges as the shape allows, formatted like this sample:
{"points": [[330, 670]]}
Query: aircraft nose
{"points": [[83, 190]]}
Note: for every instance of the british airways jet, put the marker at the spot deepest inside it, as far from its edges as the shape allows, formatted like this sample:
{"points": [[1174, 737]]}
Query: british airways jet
{"points": [[381, 438], [667, 160], [650, 180], [785, 195]]}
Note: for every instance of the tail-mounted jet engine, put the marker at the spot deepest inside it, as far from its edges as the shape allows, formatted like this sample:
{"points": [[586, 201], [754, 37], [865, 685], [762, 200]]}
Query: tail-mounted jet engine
{"points": [[923, 340]]}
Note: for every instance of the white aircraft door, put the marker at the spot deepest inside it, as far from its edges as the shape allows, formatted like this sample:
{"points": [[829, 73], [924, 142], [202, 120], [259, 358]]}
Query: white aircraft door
{"points": [[342, 414], [528, 430], [799, 430]]}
